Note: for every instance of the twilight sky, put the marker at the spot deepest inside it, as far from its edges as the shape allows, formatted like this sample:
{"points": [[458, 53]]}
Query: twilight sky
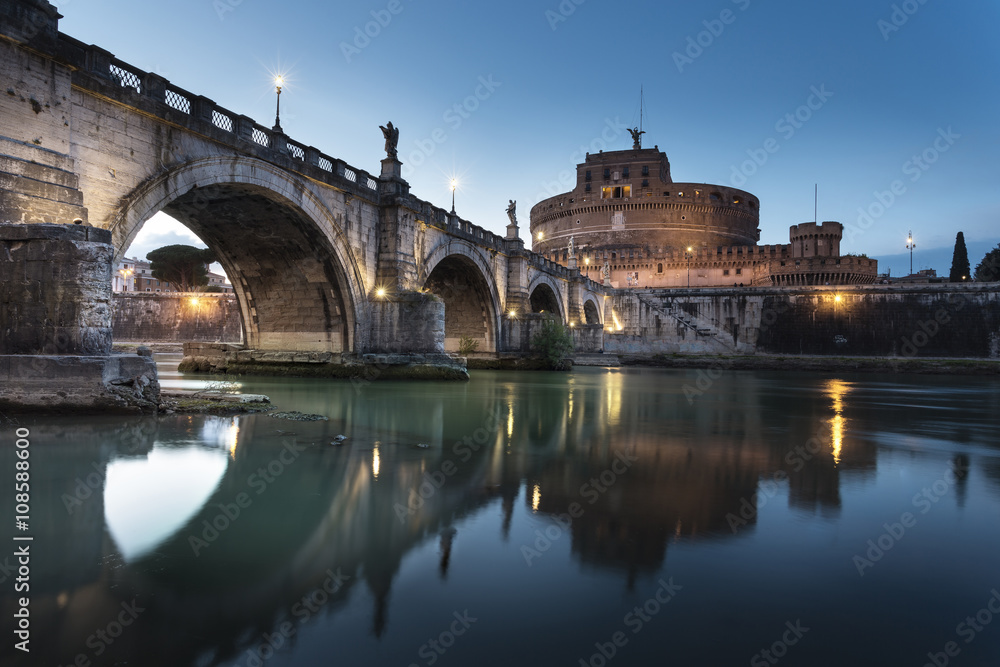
{"points": [[890, 107]]}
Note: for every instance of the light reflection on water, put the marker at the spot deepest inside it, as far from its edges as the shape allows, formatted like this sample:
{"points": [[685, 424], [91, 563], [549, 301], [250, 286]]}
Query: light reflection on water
{"points": [[547, 505]]}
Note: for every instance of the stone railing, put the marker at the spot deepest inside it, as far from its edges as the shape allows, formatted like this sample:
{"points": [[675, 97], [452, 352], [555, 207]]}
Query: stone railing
{"points": [[99, 70]]}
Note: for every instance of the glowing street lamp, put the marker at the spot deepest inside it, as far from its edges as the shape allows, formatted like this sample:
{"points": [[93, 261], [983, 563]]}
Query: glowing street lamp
{"points": [[688, 255], [279, 81], [126, 274], [454, 185], [910, 245]]}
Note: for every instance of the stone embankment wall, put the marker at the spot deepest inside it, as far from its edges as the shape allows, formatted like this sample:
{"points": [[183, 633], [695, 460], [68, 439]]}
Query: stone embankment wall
{"points": [[176, 317], [947, 320]]}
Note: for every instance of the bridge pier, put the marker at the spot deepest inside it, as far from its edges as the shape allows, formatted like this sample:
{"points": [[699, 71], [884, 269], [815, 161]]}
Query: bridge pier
{"points": [[55, 316]]}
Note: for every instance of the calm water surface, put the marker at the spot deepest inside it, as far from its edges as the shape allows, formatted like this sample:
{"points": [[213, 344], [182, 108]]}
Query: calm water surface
{"points": [[598, 517]]}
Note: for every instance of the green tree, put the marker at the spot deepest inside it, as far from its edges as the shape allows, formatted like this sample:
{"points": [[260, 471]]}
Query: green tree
{"points": [[553, 342], [960, 261], [183, 266], [988, 270]]}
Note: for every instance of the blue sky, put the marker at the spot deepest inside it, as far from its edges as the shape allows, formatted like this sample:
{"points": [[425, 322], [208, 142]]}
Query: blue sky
{"points": [[893, 104]]}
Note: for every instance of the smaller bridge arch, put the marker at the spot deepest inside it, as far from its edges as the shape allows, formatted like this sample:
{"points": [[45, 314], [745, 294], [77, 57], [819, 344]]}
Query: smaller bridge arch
{"points": [[457, 272], [545, 295], [591, 310]]}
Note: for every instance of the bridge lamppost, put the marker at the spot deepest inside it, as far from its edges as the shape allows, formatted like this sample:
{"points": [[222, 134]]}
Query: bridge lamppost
{"points": [[688, 255], [454, 184], [125, 276], [279, 81], [910, 245]]}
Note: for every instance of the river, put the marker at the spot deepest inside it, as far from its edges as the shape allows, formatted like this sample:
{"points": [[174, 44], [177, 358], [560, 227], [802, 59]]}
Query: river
{"points": [[599, 517]]}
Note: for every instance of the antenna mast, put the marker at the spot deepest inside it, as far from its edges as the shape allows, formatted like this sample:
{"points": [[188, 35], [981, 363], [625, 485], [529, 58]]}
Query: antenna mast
{"points": [[640, 108]]}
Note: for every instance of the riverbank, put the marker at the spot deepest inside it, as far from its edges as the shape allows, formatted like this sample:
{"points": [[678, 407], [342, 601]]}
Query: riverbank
{"points": [[917, 365]]}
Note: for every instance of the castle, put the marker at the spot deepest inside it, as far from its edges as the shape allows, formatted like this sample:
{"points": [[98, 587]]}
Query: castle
{"points": [[628, 224]]}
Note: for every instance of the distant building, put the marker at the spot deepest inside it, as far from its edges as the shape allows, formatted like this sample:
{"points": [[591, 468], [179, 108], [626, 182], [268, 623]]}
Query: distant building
{"points": [[136, 275], [923, 276], [627, 213]]}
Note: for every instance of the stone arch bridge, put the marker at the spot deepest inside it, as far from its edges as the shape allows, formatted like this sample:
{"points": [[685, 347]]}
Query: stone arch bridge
{"points": [[326, 259]]}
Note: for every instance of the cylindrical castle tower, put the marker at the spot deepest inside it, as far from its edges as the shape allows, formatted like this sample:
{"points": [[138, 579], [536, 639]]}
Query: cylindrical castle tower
{"points": [[626, 203]]}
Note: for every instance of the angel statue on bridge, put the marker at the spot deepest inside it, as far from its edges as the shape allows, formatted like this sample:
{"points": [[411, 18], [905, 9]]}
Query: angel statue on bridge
{"points": [[636, 137], [391, 135], [512, 211]]}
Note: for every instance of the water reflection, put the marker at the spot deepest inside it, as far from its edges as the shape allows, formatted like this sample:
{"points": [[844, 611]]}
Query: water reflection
{"points": [[836, 390], [220, 527]]}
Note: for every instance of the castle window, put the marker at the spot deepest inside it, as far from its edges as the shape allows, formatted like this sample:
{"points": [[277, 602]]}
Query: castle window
{"points": [[739, 272], [625, 172], [616, 192], [645, 183], [715, 196], [645, 170], [725, 272], [588, 187], [659, 268], [588, 175], [607, 173], [736, 200]]}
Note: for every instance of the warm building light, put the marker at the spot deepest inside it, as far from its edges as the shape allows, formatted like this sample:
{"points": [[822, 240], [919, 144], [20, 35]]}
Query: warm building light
{"points": [[541, 235], [838, 298], [586, 260], [512, 313], [536, 498], [380, 293]]}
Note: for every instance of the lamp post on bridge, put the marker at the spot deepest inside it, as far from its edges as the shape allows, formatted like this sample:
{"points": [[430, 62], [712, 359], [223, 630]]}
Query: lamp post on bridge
{"points": [[454, 184], [279, 81], [688, 255]]}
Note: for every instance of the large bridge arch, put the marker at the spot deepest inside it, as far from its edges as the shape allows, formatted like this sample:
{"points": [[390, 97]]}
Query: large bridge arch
{"points": [[297, 281], [458, 273], [545, 295]]}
